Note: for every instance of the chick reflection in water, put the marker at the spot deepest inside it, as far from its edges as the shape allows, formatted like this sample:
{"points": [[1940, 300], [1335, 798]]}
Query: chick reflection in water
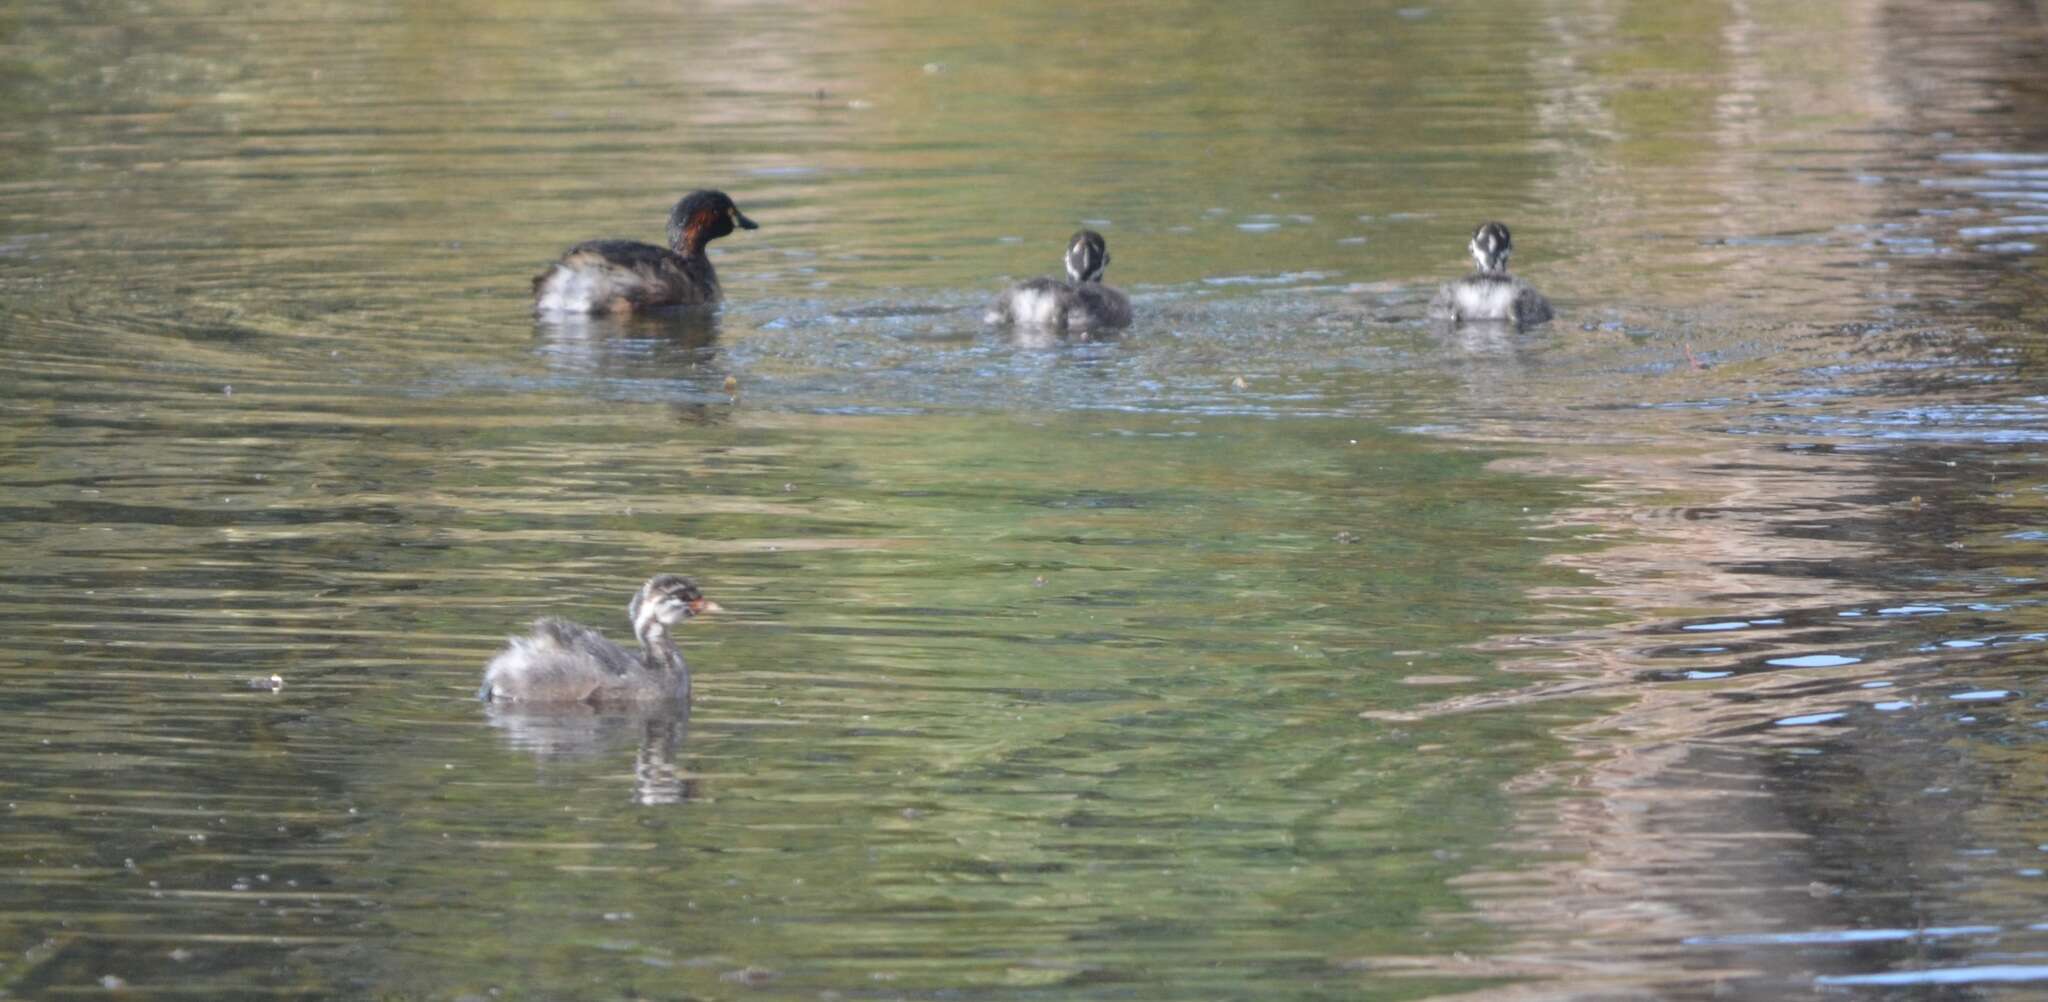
{"points": [[579, 732]]}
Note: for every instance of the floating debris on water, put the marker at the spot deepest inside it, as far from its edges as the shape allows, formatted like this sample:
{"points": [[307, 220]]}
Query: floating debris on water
{"points": [[752, 977]]}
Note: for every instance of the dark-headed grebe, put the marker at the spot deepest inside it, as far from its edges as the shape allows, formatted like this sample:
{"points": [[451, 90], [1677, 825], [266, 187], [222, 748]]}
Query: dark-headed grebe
{"points": [[619, 276], [1081, 303], [564, 662], [1490, 293]]}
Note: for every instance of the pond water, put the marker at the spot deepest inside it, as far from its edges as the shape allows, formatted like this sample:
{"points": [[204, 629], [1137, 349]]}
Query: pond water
{"points": [[1280, 647]]}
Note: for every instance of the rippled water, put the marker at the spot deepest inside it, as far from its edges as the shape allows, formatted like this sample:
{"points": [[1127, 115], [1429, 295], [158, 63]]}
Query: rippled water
{"points": [[1279, 647]]}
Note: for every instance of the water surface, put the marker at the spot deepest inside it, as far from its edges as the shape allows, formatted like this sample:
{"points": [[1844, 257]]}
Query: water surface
{"points": [[1280, 647]]}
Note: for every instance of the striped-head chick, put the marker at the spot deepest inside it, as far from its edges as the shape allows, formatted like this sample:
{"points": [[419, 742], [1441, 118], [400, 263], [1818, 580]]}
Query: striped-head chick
{"points": [[664, 601], [1087, 255], [1491, 246]]}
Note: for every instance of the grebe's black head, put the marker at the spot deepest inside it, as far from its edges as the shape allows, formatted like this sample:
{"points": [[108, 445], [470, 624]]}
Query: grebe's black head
{"points": [[665, 600], [1491, 246], [1087, 255], [704, 216]]}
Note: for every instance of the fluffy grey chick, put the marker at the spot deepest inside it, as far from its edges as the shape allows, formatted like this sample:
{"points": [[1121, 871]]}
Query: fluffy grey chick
{"points": [[565, 662], [1491, 293]]}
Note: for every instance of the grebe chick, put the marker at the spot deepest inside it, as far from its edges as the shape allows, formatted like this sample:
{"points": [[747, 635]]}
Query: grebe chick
{"points": [[1081, 303], [1490, 293], [564, 662], [620, 276]]}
